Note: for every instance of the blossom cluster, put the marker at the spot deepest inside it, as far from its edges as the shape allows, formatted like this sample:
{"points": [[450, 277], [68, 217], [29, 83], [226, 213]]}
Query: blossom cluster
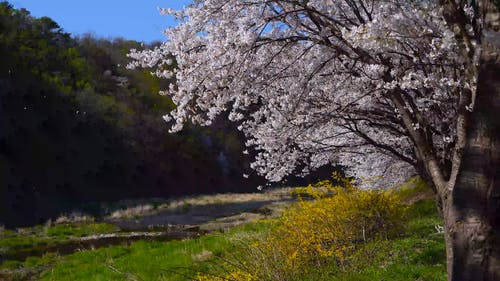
{"points": [[317, 82]]}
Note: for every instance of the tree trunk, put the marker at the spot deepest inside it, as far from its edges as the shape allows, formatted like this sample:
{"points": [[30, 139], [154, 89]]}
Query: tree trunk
{"points": [[472, 210]]}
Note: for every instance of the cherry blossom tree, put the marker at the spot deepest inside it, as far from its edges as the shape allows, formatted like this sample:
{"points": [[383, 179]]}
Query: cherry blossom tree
{"points": [[386, 88]]}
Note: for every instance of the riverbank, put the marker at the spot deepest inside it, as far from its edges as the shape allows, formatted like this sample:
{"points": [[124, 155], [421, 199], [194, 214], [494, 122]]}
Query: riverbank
{"points": [[417, 253], [26, 252]]}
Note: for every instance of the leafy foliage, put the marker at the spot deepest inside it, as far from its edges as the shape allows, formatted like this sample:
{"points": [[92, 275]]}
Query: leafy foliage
{"points": [[76, 126]]}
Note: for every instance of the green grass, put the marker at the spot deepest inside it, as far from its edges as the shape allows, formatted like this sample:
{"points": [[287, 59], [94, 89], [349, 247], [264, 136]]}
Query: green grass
{"points": [[28, 238], [32, 238], [409, 258], [417, 254], [173, 260], [27, 270], [65, 231], [413, 187]]}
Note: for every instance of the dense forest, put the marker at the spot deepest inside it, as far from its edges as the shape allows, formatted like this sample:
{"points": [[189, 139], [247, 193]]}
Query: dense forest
{"points": [[77, 127]]}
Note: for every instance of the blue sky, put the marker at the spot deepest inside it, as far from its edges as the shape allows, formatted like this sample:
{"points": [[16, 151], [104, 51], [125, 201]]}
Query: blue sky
{"points": [[132, 19]]}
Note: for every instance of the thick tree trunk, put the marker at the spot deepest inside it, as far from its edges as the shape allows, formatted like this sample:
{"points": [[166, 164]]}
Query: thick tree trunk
{"points": [[472, 209]]}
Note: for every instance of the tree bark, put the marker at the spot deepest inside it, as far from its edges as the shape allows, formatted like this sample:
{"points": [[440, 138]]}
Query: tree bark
{"points": [[472, 208], [472, 212]]}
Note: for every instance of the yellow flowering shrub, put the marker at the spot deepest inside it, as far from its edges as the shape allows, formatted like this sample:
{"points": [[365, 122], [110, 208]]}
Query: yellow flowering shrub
{"points": [[236, 275], [328, 228], [322, 189], [325, 230]]}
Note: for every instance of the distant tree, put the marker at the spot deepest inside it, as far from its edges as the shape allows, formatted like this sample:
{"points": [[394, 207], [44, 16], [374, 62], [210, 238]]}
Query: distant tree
{"points": [[76, 126], [385, 87]]}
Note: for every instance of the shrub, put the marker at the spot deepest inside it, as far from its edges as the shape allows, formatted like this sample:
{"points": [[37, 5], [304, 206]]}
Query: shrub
{"points": [[325, 231]]}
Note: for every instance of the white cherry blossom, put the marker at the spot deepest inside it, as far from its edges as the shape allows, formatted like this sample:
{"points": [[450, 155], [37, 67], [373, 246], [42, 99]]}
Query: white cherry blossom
{"points": [[356, 83]]}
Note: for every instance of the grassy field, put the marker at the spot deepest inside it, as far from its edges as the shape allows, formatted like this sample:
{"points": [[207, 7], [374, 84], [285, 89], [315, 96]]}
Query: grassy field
{"points": [[27, 238], [416, 254], [175, 260], [143, 260]]}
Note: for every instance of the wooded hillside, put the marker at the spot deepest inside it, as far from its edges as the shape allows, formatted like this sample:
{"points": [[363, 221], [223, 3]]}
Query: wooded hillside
{"points": [[77, 127]]}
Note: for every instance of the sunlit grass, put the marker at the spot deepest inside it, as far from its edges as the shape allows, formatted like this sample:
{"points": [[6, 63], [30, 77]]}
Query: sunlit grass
{"points": [[416, 253], [31, 237], [143, 260]]}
